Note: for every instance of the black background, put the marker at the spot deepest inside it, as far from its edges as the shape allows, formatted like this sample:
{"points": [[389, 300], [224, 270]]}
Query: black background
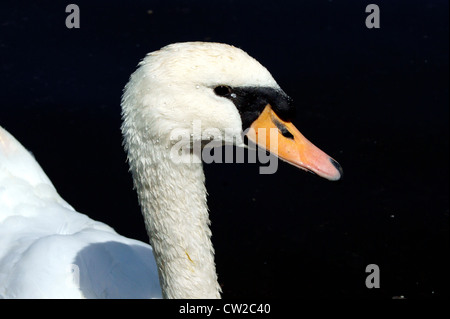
{"points": [[374, 99]]}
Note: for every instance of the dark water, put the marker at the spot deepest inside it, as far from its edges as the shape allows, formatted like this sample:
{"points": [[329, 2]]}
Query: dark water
{"points": [[376, 100]]}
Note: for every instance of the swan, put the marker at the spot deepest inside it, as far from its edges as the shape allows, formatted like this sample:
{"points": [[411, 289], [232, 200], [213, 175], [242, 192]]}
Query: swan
{"points": [[49, 250]]}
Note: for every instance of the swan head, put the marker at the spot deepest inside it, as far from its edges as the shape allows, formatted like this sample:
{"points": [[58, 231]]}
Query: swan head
{"points": [[205, 91]]}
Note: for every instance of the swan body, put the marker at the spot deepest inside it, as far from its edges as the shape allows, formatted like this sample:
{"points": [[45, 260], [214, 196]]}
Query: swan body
{"points": [[43, 239], [45, 243]]}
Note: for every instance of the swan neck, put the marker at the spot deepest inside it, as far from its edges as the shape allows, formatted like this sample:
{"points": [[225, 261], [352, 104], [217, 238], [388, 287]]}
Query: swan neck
{"points": [[173, 202]]}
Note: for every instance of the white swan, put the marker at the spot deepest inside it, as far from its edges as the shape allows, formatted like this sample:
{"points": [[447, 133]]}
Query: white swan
{"points": [[48, 250]]}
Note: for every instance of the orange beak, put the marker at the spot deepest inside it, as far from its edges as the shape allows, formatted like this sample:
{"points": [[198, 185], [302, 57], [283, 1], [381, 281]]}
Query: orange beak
{"points": [[285, 141]]}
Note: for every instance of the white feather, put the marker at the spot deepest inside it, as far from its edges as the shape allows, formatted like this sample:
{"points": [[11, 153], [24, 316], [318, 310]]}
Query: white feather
{"points": [[48, 250]]}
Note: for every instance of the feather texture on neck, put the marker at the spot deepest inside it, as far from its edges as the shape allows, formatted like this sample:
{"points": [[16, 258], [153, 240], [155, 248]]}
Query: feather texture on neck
{"points": [[172, 197]]}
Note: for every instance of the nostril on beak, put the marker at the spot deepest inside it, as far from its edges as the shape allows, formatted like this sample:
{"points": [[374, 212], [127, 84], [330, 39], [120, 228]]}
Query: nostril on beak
{"points": [[283, 129]]}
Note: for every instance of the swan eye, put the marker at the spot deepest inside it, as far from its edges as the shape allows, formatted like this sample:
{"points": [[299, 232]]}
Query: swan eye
{"points": [[222, 90]]}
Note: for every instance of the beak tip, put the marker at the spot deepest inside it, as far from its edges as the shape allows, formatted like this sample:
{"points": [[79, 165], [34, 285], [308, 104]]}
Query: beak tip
{"points": [[338, 168]]}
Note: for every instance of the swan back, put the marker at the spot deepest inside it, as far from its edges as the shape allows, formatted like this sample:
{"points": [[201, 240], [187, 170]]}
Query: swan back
{"points": [[48, 250], [16, 162]]}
